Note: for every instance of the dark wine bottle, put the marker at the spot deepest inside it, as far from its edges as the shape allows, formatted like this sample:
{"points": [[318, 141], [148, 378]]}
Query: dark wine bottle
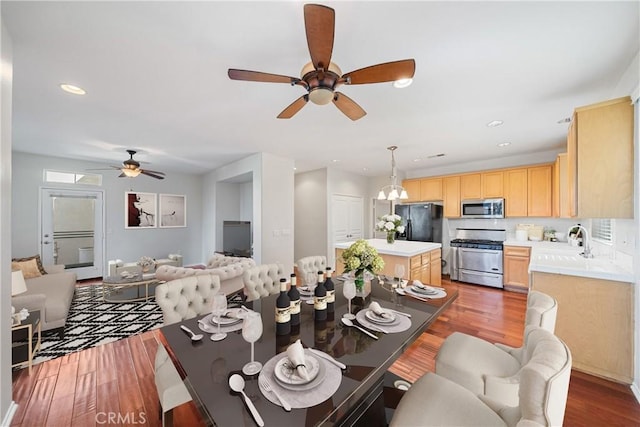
{"points": [[331, 291], [294, 297], [283, 307], [320, 300]]}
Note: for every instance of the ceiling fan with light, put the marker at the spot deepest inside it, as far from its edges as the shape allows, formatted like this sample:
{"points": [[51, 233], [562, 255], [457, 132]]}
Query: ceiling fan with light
{"points": [[321, 77], [131, 168]]}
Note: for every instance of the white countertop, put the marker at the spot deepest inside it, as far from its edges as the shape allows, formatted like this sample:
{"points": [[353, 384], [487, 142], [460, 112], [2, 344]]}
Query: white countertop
{"points": [[399, 247], [560, 258]]}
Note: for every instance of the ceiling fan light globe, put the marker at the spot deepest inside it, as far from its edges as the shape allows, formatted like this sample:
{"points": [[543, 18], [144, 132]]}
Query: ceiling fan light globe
{"points": [[131, 173], [308, 67], [321, 96]]}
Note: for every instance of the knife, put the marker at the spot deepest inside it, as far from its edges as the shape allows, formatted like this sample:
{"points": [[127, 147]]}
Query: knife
{"points": [[327, 357]]}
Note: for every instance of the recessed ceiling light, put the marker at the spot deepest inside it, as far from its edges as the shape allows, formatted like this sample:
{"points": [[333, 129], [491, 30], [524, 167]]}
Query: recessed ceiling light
{"points": [[364, 169], [504, 144], [72, 89], [402, 83], [417, 160], [494, 123], [335, 160]]}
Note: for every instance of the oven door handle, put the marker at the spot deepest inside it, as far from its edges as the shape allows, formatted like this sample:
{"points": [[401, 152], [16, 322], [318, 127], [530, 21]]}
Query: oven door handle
{"points": [[484, 251]]}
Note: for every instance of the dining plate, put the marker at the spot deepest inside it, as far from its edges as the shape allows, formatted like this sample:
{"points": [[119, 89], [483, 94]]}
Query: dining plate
{"points": [[373, 317], [288, 378], [424, 290], [231, 320]]}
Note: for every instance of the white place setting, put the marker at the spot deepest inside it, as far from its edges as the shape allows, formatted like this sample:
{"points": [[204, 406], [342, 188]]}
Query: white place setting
{"points": [[379, 319], [229, 320], [299, 370]]}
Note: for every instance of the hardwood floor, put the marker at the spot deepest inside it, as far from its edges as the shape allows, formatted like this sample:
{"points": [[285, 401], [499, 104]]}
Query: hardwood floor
{"points": [[116, 380]]}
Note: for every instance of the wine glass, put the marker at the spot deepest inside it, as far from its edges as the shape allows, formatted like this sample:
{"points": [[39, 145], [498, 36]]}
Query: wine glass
{"points": [[251, 332], [312, 281], [399, 272], [218, 308], [349, 292]]}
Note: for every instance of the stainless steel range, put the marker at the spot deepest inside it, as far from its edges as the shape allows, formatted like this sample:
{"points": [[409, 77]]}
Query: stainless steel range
{"points": [[476, 256]]}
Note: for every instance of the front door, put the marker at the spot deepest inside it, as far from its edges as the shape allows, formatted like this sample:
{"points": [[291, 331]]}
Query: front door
{"points": [[72, 230]]}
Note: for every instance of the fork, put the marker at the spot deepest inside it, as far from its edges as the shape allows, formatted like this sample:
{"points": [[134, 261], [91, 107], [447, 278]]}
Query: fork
{"points": [[266, 385]]}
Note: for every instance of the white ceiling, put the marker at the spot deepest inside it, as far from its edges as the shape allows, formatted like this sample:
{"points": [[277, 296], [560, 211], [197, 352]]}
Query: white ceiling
{"points": [[156, 77]]}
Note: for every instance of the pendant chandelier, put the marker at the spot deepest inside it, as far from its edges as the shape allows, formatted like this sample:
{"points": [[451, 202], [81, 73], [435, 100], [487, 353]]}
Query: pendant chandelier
{"points": [[393, 191]]}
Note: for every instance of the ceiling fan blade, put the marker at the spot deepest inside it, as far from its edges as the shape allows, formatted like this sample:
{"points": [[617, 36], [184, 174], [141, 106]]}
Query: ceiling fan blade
{"points": [[319, 22], [348, 106], [104, 169], [294, 107], [122, 175], [387, 72], [257, 76], [151, 174], [156, 172]]}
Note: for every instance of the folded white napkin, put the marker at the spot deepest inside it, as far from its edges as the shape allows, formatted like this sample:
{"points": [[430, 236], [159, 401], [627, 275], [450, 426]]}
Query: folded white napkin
{"points": [[295, 353], [418, 284], [375, 307]]}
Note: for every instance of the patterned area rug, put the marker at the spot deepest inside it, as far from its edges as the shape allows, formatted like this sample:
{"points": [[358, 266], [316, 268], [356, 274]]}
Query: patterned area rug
{"points": [[93, 322]]}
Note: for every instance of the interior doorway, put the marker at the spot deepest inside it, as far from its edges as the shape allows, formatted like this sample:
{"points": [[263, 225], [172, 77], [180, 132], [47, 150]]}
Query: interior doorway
{"points": [[72, 230]]}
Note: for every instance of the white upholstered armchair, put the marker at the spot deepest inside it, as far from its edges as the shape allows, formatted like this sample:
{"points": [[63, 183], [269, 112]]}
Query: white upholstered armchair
{"points": [[544, 384], [262, 280], [490, 369]]}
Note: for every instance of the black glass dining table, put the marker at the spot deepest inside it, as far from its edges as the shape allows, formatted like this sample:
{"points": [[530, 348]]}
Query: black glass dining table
{"points": [[206, 365]]}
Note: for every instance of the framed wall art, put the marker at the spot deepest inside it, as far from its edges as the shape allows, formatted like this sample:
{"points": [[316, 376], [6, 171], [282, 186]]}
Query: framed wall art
{"points": [[140, 210], [173, 210]]}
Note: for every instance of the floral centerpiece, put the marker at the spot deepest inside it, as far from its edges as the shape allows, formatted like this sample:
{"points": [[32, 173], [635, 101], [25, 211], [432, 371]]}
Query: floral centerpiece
{"points": [[391, 224], [361, 258], [146, 262]]}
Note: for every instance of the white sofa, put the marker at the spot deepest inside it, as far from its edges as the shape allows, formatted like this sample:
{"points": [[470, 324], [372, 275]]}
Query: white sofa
{"points": [[116, 267], [228, 269]]}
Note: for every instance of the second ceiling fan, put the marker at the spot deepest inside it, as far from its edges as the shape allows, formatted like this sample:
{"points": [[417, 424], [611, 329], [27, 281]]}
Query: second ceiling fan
{"points": [[321, 77]]}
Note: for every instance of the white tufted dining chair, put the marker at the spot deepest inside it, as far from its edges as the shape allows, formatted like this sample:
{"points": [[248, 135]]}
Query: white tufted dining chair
{"points": [[493, 369], [187, 297], [262, 280], [311, 264], [179, 299], [434, 400]]}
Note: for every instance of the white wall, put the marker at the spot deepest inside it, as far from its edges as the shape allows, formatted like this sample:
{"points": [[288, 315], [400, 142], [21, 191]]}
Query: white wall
{"points": [[7, 407], [310, 202], [125, 244], [272, 206]]}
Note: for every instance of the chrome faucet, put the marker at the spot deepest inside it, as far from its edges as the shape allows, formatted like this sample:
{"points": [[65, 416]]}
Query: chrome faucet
{"points": [[585, 240]]}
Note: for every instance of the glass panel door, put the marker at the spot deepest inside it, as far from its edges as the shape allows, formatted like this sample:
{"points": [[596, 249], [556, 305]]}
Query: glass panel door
{"points": [[72, 225]]}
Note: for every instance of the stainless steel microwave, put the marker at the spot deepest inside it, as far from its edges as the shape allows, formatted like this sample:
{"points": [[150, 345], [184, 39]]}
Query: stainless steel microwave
{"points": [[485, 208]]}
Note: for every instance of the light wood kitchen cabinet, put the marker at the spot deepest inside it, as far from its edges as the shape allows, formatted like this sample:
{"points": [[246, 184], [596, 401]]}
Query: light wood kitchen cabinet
{"points": [[561, 206], [492, 184], [430, 189], [515, 195], [595, 319], [471, 186], [600, 158], [516, 268], [451, 196], [539, 190], [412, 186], [435, 265]]}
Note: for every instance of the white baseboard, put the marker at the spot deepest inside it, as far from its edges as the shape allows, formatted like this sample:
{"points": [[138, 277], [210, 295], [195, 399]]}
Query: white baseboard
{"points": [[635, 391], [9, 416]]}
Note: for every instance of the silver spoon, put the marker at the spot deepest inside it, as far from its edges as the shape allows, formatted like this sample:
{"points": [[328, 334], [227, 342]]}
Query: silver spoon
{"points": [[236, 382], [194, 337], [350, 323]]}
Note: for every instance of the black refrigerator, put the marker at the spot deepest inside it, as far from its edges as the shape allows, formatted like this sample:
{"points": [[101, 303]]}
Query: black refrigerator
{"points": [[422, 221]]}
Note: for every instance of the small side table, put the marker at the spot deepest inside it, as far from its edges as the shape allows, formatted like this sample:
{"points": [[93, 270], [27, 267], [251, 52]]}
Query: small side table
{"points": [[25, 340]]}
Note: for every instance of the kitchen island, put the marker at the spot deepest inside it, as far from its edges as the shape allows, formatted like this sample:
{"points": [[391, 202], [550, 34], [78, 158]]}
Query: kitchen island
{"points": [[421, 260]]}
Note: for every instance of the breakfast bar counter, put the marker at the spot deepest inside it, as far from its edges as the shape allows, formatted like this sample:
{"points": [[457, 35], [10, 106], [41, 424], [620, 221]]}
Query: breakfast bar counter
{"points": [[419, 260]]}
